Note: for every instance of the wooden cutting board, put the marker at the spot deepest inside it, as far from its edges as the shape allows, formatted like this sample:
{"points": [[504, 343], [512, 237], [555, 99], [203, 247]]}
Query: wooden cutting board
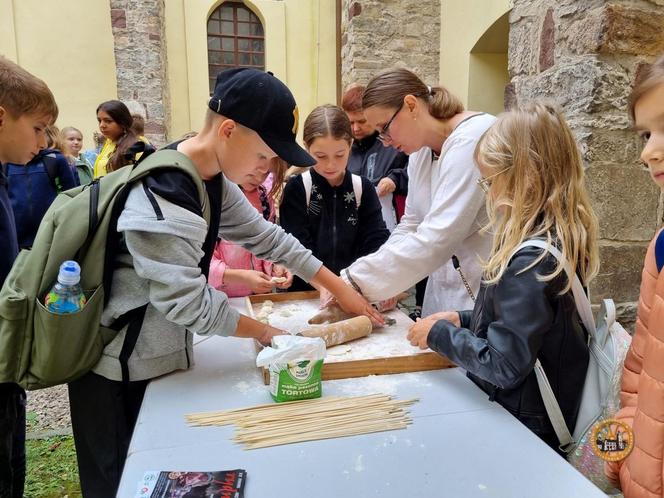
{"points": [[385, 351]]}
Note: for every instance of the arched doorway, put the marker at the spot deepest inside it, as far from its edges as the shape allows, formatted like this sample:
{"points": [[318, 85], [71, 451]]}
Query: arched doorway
{"points": [[487, 70]]}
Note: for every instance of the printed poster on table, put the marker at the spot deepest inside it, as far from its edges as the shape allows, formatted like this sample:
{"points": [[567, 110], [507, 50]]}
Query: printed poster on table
{"points": [[178, 484]]}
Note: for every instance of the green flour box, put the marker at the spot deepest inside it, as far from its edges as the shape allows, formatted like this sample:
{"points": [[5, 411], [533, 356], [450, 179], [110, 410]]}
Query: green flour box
{"points": [[295, 365]]}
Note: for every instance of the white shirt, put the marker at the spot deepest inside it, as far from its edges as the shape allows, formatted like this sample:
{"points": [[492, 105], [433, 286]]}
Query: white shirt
{"points": [[445, 211]]}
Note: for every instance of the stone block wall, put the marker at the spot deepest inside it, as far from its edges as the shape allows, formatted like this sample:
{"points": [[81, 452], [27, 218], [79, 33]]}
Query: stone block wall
{"points": [[378, 34], [584, 55], [140, 58]]}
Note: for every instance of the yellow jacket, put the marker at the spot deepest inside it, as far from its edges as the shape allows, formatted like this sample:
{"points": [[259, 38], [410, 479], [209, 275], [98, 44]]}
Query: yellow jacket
{"points": [[105, 155]]}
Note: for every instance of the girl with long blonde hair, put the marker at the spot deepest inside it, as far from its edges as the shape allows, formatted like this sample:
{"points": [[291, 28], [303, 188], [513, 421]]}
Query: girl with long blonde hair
{"points": [[533, 158], [533, 175]]}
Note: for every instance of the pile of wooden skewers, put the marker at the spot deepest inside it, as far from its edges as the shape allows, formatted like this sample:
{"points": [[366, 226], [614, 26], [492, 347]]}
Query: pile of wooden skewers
{"points": [[323, 418]]}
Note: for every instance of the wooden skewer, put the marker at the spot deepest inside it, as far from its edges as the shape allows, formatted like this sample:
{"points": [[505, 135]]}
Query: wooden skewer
{"points": [[351, 419], [283, 408], [324, 418], [326, 435], [316, 414]]}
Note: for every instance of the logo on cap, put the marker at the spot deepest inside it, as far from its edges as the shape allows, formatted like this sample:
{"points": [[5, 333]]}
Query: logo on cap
{"points": [[296, 119]]}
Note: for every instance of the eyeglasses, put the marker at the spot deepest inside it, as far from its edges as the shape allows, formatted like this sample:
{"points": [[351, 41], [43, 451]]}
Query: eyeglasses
{"points": [[384, 134], [485, 183]]}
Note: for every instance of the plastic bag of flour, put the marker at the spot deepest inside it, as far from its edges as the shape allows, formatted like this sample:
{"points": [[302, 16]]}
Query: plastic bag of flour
{"points": [[295, 365]]}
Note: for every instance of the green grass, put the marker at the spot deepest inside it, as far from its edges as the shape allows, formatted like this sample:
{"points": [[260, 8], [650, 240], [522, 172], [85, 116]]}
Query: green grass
{"points": [[52, 471], [31, 421]]}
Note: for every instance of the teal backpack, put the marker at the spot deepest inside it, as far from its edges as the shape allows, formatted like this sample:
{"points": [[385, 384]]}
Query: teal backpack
{"points": [[41, 348]]}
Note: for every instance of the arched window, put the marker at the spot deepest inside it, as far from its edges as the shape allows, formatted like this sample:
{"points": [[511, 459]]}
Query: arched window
{"points": [[235, 39]]}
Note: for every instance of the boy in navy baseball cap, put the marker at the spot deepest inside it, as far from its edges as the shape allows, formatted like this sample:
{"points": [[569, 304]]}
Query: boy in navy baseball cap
{"points": [[251, 122], [262, 103]]}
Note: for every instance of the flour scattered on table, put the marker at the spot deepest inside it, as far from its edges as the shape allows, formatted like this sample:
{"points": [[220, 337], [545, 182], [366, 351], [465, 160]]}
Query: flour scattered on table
{"points": [[359, 466], [389, 440], [386, 384], [339, 350], [481, 487], [242, 386]]}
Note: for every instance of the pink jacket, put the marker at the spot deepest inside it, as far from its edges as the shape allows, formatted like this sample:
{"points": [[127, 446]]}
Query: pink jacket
{"points": [[229, 255], [642, 392]]}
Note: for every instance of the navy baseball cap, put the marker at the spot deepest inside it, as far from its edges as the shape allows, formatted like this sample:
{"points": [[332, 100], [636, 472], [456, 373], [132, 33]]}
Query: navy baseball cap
{"points": [[258, 100]]}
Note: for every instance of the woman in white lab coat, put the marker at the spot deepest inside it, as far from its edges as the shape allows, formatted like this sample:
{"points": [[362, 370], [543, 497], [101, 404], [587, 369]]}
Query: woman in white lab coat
{"points": [[445, 206]]}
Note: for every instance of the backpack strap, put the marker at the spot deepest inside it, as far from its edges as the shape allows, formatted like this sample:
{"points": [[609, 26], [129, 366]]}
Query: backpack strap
{"points": [[659, 251], [585, 313], [51, 167], [357, 188], [308, 184], [139, 149], [170, 158], [133, 319], [553, 410], [580, 297]]}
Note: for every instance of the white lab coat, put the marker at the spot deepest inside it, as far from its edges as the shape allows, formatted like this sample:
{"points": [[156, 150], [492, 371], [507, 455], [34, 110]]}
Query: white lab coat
{"points": [[445, 211]]}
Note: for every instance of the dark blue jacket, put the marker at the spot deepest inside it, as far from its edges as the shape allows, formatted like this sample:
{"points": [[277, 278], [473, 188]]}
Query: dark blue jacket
{"points": [[371, 159], [32, 191], [8, 244]]}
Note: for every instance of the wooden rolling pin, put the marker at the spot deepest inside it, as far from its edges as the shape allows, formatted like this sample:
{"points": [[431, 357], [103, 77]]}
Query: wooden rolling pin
{"points": [[341, 332], [334, 313], [331, 314]]}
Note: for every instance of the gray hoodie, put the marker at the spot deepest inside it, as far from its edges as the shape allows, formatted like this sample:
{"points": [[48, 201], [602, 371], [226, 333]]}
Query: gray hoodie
{"points": [[162, 269]]}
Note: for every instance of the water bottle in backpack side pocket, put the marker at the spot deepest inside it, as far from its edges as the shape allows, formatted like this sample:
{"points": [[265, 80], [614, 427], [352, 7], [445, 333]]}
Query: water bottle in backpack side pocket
{"points": [[66, 296]]}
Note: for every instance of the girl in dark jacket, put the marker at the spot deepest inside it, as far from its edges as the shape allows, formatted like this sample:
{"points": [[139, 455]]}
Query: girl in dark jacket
{"points": [[533, 175], [338, 221]]}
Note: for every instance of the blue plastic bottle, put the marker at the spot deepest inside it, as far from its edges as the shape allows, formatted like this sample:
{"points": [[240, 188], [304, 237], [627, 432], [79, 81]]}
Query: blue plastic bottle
{"points": [[66, 296]]}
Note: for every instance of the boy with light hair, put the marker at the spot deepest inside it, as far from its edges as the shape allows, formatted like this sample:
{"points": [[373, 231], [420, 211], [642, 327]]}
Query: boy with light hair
{"points": [[27, 107]]}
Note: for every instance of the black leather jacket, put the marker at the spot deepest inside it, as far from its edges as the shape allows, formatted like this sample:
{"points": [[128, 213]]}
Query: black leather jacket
{"points": [[514, 322]]}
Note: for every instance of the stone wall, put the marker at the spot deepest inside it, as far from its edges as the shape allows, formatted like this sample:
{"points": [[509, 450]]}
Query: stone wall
{"points": [[378, 34], [584, 54], [140, 58]]}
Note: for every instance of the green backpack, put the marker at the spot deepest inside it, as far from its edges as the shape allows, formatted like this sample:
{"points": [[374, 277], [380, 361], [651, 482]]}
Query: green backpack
{"points": [[40, 348]]}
